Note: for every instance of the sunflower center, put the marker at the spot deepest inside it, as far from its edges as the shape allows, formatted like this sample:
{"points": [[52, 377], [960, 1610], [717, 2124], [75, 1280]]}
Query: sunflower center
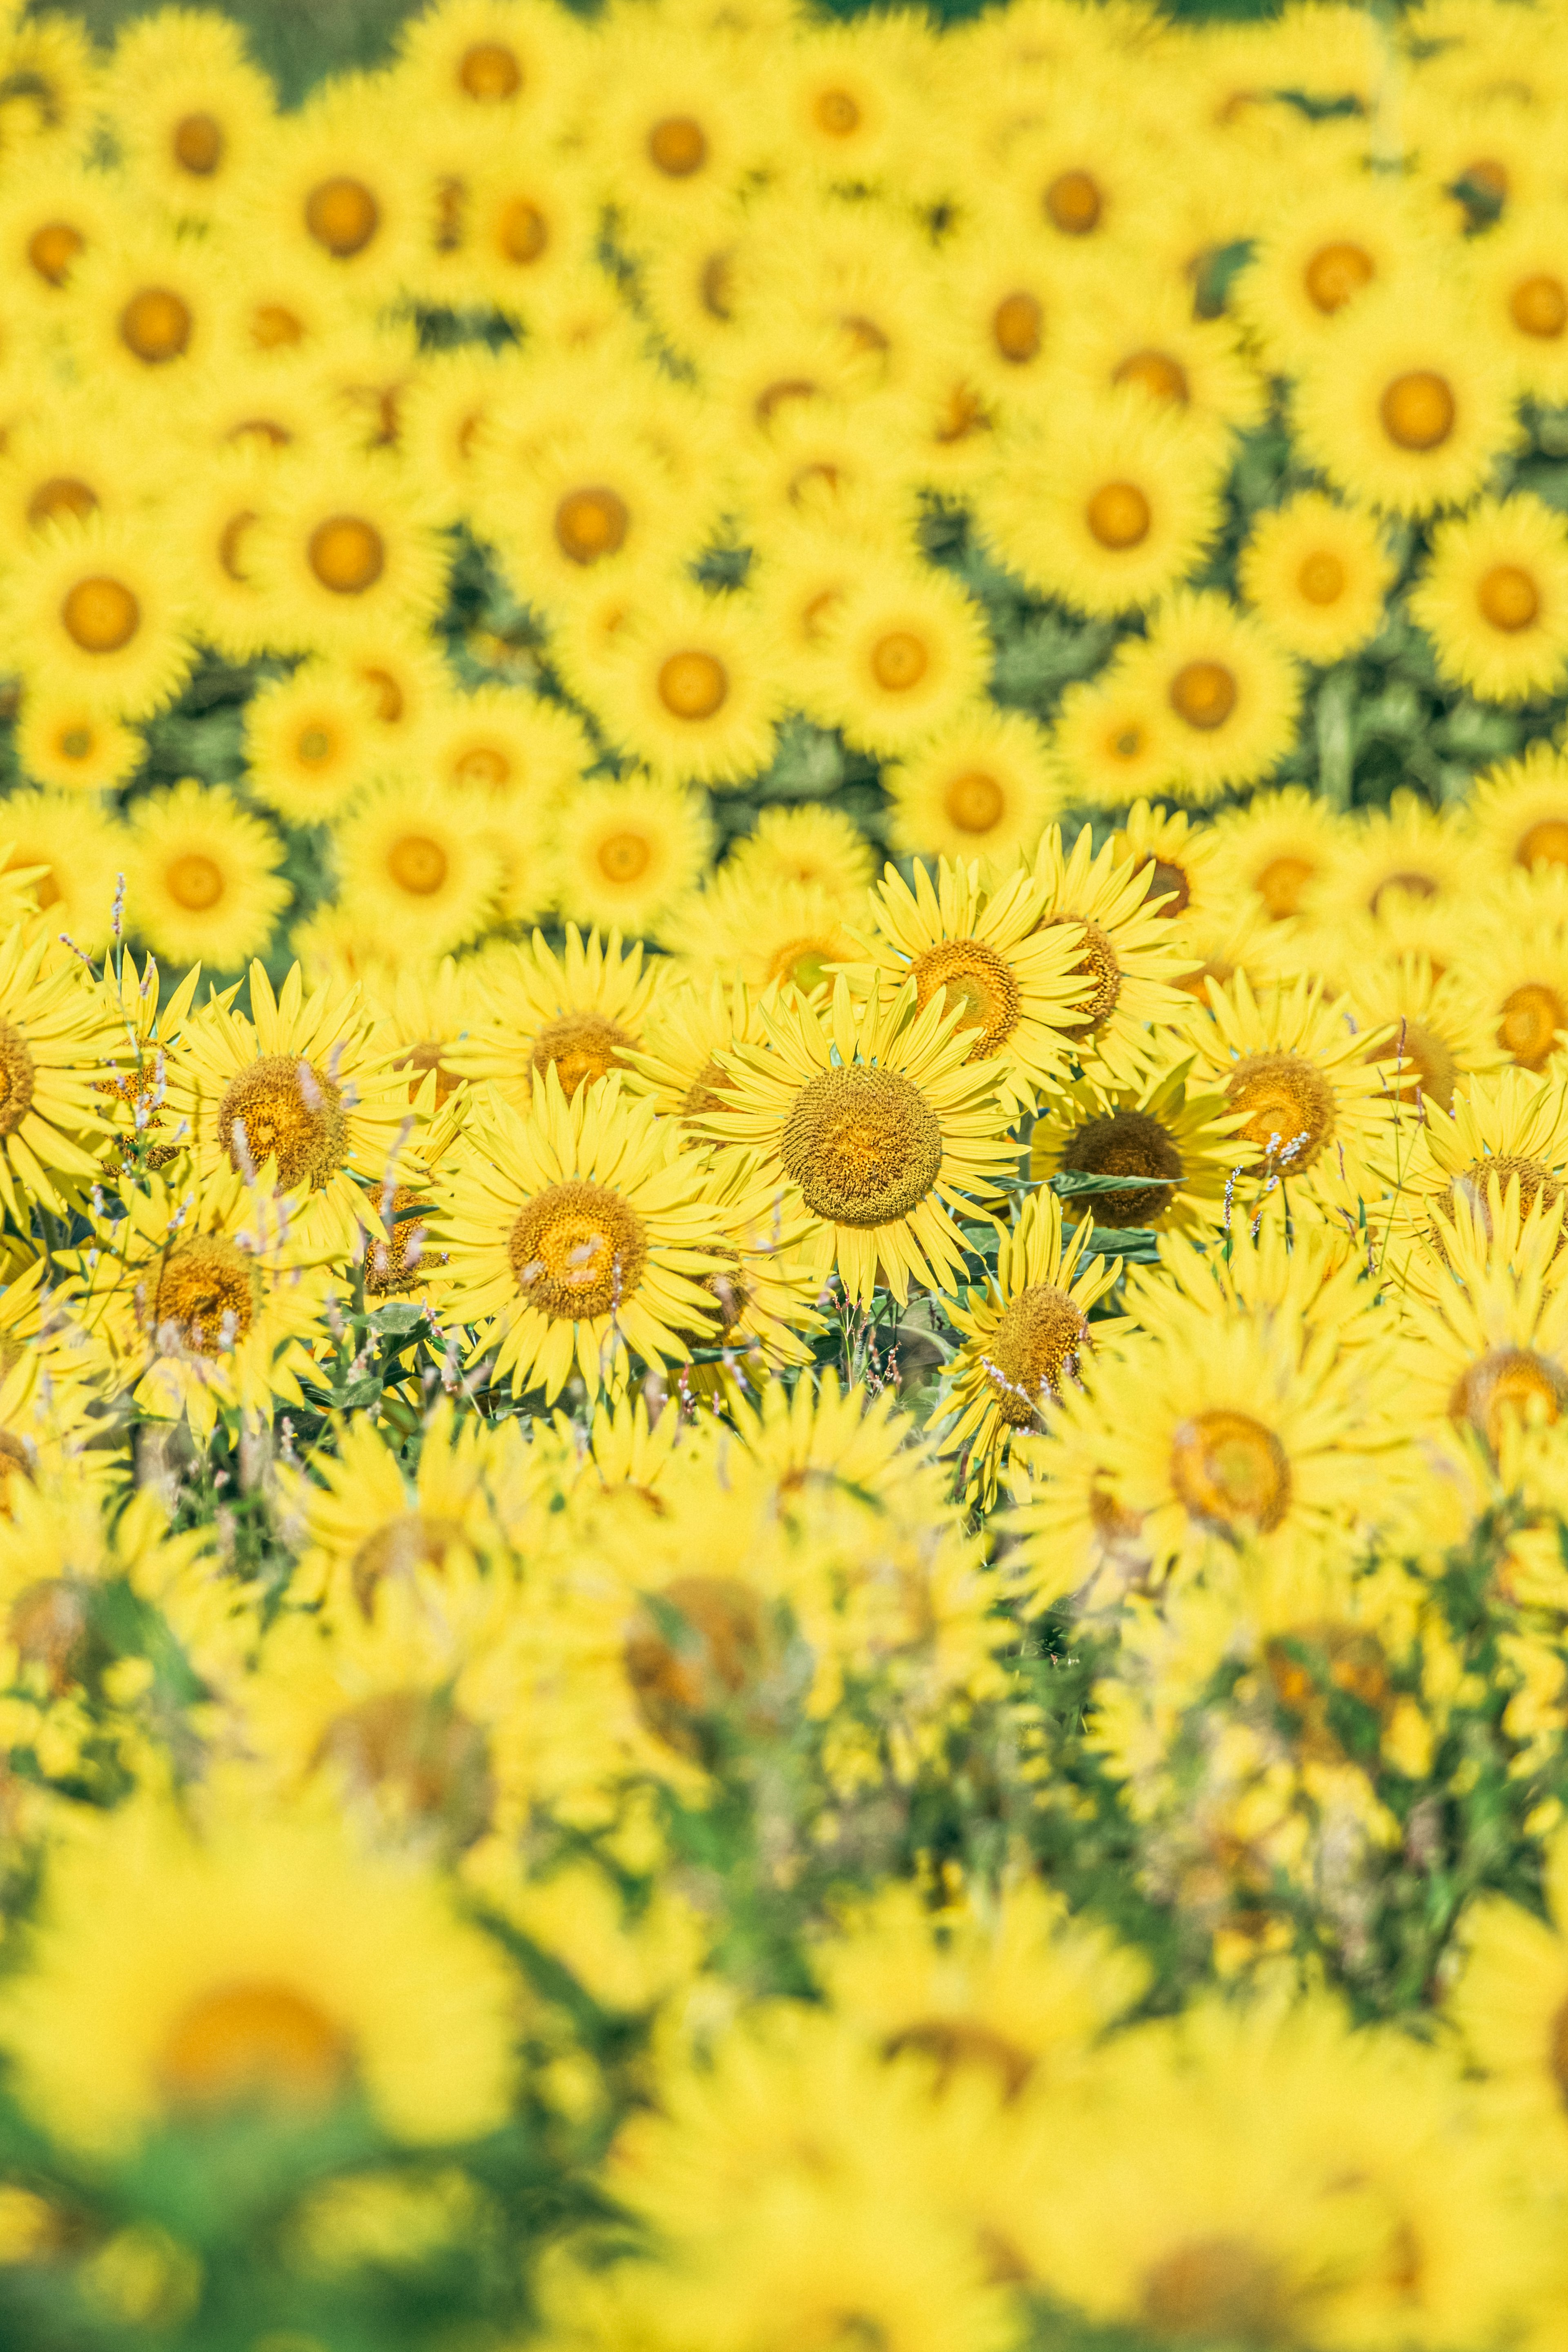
{"points": [[1230, 1472], [1282, 884], [398, 1547], [62, 494], [1511, 1384], [836, 113], [483, 765], [281, 1108], [973, 802], [412, 1747], [955, 2046], [489, 72], [101, 615], [1034, 1348], [1321, 578], [206, 1292], [591, 523], [417, 864], [1533, 1181], [1016, 324], [802, 961], [1156, 373], [1509, 598], [1532, 1016], [1169, 885], [1118, 515], [1098, 964], [685, 1672], [155, 325], [692, 685], [1204, 693], [1336, 275], [899, 661], [198, 144], [1128, 1143], [1213, 2291], [576, 1250], [17, 1079], [75, 743], [1418, 410], [523, 231], [347, 554], [230, 544], [1073, 202], [1538, 306], [193, 882], [1289, 1107], [1544, 843], [52, 248], [273, 327], [974, 978], [342, 216], [707, 1092], [1417, 1062], [584, 1046], [260, 2043], [678, 146], [863, 1144], [623, 858]]}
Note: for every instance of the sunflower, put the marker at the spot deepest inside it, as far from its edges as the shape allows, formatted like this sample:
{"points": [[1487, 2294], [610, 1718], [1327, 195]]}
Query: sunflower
{"points": [[49, 75], [409, 862], [76, 856], [502, 742], [1018, 985], [687, 1029], [581, 1014], [813, 845], [491, 61], [201, 875], [1277, 850], [145, 314], [847, 96], [874, 1115], [1506, 1133], [403, 677], [575, 1237], [1009, 301], [532, 225], [1488, 1344], [981, 788], [1494, 598], [1310, 1085], [93, 608], [1084, 178], [216, 516], [1127, 961], [1318, 573], [1113, 510], [51, 218], [1407, 408], [692, 689], [200, 1297], [425, 1010], [1405, 851], [347, 546], [1518, 813], [629, 854], [1184, 882], [191, 112], [1162, 1126], [1323, 258], [68, 462], [765, 933], [310, 744], [1522, 292], [275, 1962], [300, 1087], [841, 470], [1115, 737], [334, 207], [674, 129], [62, 741], [1233, 694], [1437, 1031], [1148, 337], [904, 656], [1509, 2000], [1516, 961], [1023, 1335]]}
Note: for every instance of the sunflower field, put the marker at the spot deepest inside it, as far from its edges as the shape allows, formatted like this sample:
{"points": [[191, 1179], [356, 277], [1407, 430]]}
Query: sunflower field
{"points": [[784, 1183]]}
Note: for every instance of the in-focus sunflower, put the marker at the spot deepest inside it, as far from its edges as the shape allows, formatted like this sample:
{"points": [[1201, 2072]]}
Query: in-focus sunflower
{"points": [[96, 609], [574, 1236], [1115, 737], [201, 875], [300, 1085], [903, 654], [1518, 813], [1313, 1100], [765, 933], [1494, 598], [410, 861], [983, 788], [873, 1115], [1182, 853], [1407, 408], [77, 855], [692, 689], [1232, 692], [820, 847], [502, 741], [1318, 573], [55, 1036], [579, 1014], [1023, 1335], [64, 741], [627, 854], [1165, 1135], [1112, 510], [1277, 850], [1127, 960], [348, 546], [1506, 1132], [1019, 987], [310, 744]]}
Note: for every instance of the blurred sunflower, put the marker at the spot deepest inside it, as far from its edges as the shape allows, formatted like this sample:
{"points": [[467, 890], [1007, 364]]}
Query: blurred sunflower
{"points": [[1116, 737], [96, 609], [201, 875], [765, 933], [1518, 813], [64, 742], [688, 1027], [1494, 598], [310, 744], [54, 1035], [981, 788], [581, 1013], [192, 111], [903, 655], [812, 845], [78, 856], [1435, 1031], [1318, 573], [692, 689], [1305, 1079], [628, 855], [346, 547], [410, 864], [503, 741], [1233, 694], [1277, 850]]}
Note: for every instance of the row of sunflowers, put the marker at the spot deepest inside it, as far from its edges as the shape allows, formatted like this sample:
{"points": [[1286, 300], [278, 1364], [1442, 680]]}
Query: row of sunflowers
{"points": [[783, 1111]]}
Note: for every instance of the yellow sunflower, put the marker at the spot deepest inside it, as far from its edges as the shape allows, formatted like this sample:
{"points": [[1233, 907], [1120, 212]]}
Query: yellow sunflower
{"points": [[145, 313], [1437, 1031], [1232, 692], [1023, 1335], [191, 111], [1405, 851], [95, 608], [409, 862], [64, 742], [1115, 737], [1019, 986], [76, 859], [1184, 882], [983, 788], [903, 655], [1522, 292], [687, 1028], [691, 688], [1519, 812], [626, 855], [576, 1238], [1318, 573], [505, 742], [1488, 1345], [310, 744], [300, 1086], [765, 933], [873, 1115], [347, 546], [334, 204], [581, 1013], [1277, 850], [1323, 258], [1168, 1136], [1494, 598], [817, 848], [1506, 1133], [1515, 957], [201, 875], [149, 1027], [765, 1297], [1127, 958]]}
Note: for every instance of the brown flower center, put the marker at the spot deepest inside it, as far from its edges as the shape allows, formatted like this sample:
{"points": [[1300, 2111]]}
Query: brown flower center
{"points": [[974, 803], [1336, 275], [1156, 373], [899, 661], [489, 72], [1538, 306], [1511, 1384], [836, 113], [1282, 883], [1127, 1143], [1118, 516], [155, 325], [693, 685], [1532, 1016], [417, 864], [1230, 1472], [1034, 1348], [47, 1621], [1321, 578], [101, 615], [1415, 1060], [1016, 325], [1204, 693], [399, 1263], [678, 146], [262, 2043], [1098, 964], [863, 1144], [281, 1108], [576, 1250], [198, 144], [414, 1749], [956, 2045], [206, 1296], [1509, 598], [62, 497], [973, 976], [589, 523], [1290, 1111], [19, 1077], [273, 327], [1215, 2290], [583, 1046], [1544, 843], [52, 248], [397, 1548], [193, 882], [1418, 410], [347, 554], [1170, 891], [342, 216], [1073, 203], [623, 858]]}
